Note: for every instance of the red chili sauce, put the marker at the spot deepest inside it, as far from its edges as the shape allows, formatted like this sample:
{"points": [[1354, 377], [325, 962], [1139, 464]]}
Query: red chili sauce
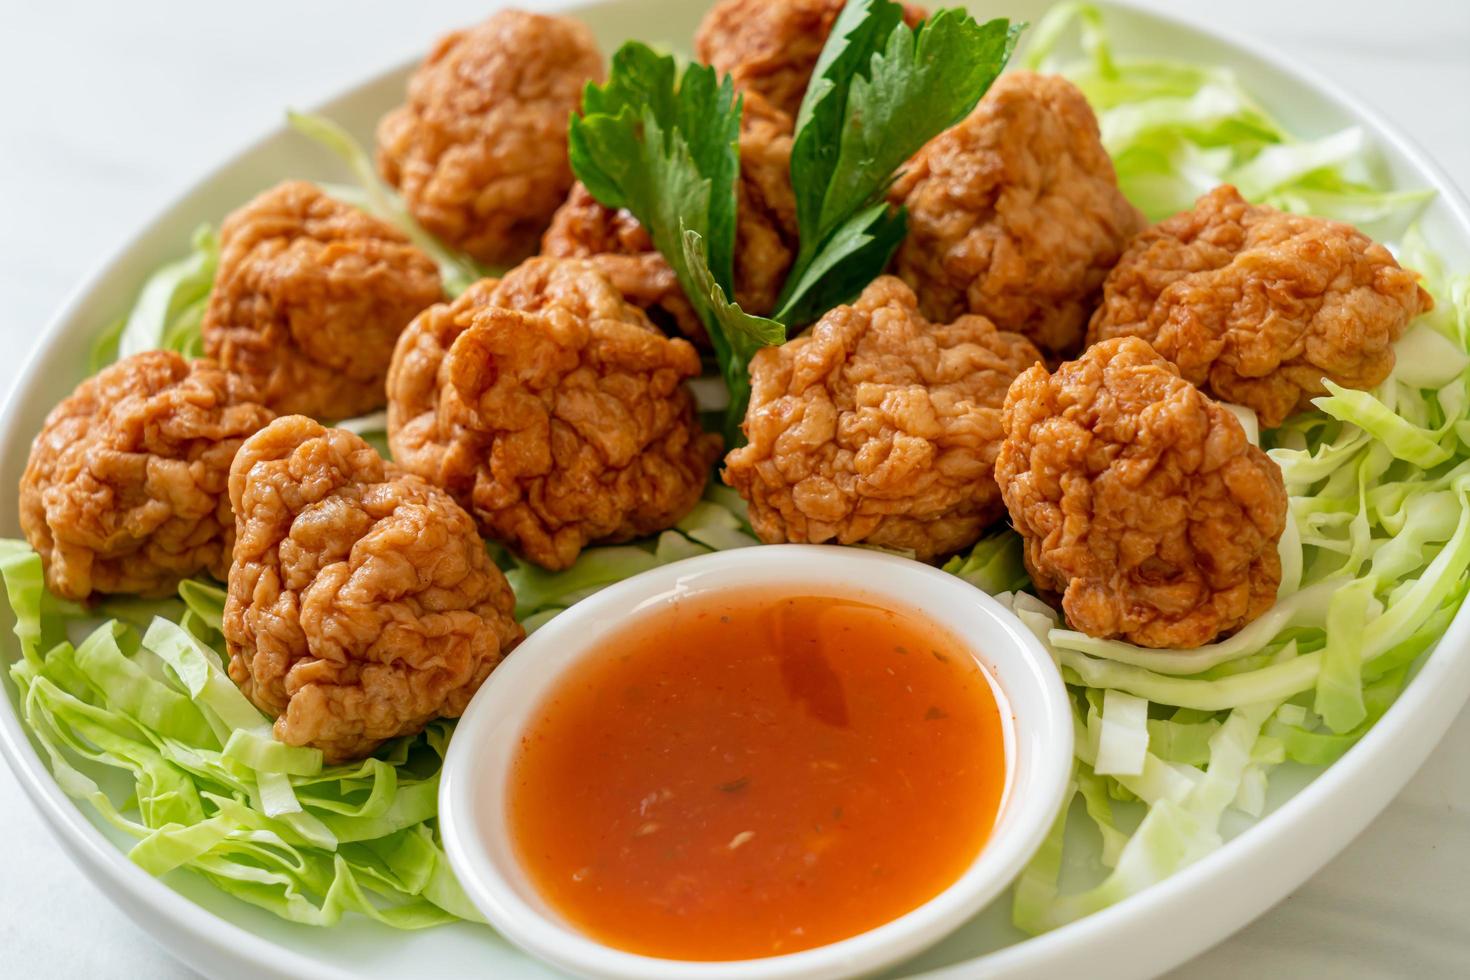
{"points": [[746, 775]]}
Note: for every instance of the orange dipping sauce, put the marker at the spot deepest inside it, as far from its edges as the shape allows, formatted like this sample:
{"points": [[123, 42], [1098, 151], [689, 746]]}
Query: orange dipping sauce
{"points": [[745, 775]]}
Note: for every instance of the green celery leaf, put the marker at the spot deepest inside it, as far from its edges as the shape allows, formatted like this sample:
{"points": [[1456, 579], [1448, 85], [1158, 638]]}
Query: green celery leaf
{"points": [[880, 91], [923, 82], [665, 147], [856, 254], [858, 34], [745, 332]]}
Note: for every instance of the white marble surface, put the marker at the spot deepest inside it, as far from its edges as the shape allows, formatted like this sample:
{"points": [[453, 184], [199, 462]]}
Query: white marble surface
{"points": [[109, 109]]}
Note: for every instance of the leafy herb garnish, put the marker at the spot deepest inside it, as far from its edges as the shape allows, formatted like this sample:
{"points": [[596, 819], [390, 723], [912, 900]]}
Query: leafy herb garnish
{"points": [[880, 91], [665, 145], [745, 332]]}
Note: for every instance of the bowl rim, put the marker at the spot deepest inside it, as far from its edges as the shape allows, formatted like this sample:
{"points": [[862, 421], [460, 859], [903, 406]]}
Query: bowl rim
{"points": [[1035, 715], [140, 895]]}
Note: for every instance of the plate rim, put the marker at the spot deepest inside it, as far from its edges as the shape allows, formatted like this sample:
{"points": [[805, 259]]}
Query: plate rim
{"points": [[206, 936]]}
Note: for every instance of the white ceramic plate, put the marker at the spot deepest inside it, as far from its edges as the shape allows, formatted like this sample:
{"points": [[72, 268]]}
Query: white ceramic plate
{"points": [[1312, 815]]}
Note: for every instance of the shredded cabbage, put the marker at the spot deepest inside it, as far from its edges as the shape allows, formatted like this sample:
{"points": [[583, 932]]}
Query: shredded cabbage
{"points": [[1376, 555], [1375, 564], [1176, 130], [1122, 745], [716, 523], [210, 789], [994, 565], [169, 308]]}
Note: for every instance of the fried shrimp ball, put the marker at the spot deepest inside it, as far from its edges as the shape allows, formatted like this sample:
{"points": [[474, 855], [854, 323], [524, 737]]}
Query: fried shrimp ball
{"points": [[1257, 306], [125, 487], [765, 219], [309, 299], [765, 231], [878, 427], [479, 151], [618, 246], [1140, 501], [1015, 213], [552, 409], [362, 604], [771, 46]]}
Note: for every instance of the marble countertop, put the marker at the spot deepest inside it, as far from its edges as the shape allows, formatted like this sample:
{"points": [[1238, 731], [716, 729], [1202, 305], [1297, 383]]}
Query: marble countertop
{"points": [[111, 109]]}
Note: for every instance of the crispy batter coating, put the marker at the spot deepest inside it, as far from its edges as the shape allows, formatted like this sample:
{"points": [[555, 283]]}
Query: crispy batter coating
{"points": [[1015, 213], [362, 604], [125, 487], [765, 231], [1257, 306], [1141, 502], [765, 220], [878, 427], [613, 241], [771, 46], [553, 410], [479, 150], [309, 299]]}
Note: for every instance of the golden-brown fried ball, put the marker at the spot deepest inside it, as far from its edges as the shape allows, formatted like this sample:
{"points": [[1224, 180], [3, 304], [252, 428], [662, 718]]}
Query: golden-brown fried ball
{"points": [[613, 241], [1015, 213], [1141, 502], [552, 409], [765, 231], [125, 487], [878, 427], [765, 218], [771, 46], [1257, 306], [479, 151], [362, 604], [309, 299]]}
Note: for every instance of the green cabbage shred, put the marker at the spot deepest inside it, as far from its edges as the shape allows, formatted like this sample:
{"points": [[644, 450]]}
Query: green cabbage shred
{"points": [[211, 791], [1375, 558], [208, 787]]}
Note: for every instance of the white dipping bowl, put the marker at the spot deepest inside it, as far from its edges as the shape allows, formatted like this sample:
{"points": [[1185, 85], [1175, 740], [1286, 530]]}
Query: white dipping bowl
{"points": [[1036, 719]]}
